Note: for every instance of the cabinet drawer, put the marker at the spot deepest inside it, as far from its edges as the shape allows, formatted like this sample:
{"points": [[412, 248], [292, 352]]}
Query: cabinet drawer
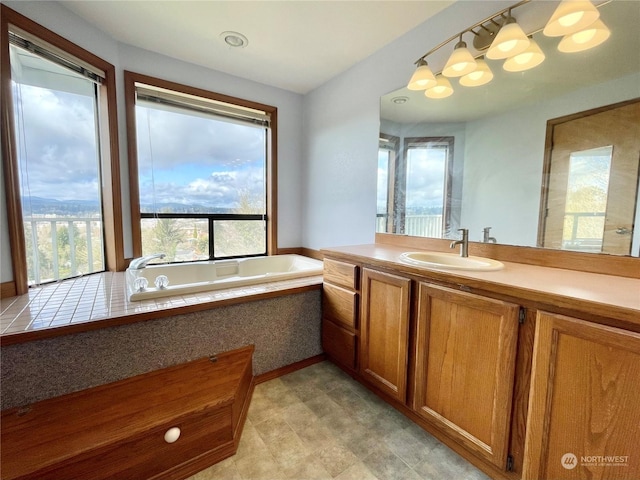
{"points": [[150, 455], [341, 273], [339, 344], [339, 305]]}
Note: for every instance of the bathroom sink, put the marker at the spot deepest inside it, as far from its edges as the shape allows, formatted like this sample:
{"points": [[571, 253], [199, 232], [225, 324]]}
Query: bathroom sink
{"points": [[450, 261]]}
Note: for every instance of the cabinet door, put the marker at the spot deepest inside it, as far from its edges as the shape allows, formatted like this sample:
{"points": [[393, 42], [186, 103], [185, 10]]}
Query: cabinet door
{"points": [[465, 363], [584, 410], [384, 331]]}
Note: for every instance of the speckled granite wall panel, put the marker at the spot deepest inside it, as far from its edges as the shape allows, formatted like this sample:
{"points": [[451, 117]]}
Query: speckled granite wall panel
{"points": [[284, 330]]}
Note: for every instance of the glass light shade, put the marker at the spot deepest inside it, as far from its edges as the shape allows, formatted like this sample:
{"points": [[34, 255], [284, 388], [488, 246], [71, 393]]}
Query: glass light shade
{"points": [[510, 41], [422, 78], [460, 62], [590, 37], [531, 57], [481, 75], [442, 89], [571, 16]]}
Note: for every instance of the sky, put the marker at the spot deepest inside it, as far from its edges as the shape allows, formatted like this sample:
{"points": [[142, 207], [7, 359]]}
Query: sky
{"points": [[425, 178], [198, 160], [57, 144], [195, 160]]}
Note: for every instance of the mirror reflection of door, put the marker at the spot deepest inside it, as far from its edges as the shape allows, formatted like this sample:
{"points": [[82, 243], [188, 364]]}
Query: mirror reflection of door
{"points": [[591, 192]]}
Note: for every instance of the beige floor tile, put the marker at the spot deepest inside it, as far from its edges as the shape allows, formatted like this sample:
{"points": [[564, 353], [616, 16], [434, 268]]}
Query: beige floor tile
{"points": [[251, 442], [357, 471], [272, 428], [259, 467], [308, 468], [385, 464], [336, 458], [225, 470], [288, 450]]}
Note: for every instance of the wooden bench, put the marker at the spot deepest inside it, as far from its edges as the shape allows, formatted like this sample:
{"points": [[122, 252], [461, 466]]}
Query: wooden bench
{"points": [[128, 429]]}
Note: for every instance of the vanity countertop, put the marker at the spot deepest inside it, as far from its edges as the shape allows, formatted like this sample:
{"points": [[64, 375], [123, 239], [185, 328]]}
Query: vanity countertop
{"points": [[608, 296]]}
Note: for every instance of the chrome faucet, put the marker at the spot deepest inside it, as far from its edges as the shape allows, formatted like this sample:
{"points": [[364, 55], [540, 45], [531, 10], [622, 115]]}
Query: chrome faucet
{"points": [[464, 243], [485, 236], [141, 262]]}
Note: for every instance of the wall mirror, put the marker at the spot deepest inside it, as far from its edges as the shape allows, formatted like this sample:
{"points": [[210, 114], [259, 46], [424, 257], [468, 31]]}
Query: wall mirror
{"points": [[483, 157]]}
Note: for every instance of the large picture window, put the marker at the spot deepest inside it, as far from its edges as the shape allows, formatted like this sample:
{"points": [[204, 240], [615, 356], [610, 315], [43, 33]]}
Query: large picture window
{"points": [[201, 171], [59, 148]]}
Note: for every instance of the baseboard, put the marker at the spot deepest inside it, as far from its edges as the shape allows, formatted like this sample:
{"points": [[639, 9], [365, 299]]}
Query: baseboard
{"points": [[7, 289], [279, 372]]}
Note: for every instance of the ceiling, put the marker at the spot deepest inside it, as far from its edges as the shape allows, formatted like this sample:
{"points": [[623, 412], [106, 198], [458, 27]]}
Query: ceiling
{"points": [[295, 45]]}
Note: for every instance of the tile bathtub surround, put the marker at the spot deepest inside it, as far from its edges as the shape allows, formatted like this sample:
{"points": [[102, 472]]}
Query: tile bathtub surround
{"points": [[284, 329], [102, 297], [318, 423]]}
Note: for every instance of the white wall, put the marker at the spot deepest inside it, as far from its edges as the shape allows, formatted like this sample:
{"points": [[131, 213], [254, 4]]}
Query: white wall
{"points": [[124, 57], [342, 124]]}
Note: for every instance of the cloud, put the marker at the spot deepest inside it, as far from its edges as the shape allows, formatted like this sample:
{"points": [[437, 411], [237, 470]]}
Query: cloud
{"points": [[167, 137], [57, 145]]}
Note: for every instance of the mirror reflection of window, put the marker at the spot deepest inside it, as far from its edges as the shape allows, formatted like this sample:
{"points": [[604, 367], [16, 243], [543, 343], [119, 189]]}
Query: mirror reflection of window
{"points": [[586, 202], [387, 155], [427, 202]]}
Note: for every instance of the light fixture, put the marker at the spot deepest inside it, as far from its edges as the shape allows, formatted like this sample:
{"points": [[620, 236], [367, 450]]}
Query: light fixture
{"points": [[590, 37], [531, 57], [570, 17], [234, 39], [499, 37], [400, 100], [510, 41], [422, 78], [442, 89], [480, 76], [460, 62]]}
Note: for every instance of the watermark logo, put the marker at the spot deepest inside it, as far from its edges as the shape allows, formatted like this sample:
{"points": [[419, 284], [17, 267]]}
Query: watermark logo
{"points": [[569, 461]]}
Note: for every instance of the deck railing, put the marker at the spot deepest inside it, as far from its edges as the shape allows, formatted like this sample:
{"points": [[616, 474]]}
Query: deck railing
{"points": [[416, 225], [63, 247]]}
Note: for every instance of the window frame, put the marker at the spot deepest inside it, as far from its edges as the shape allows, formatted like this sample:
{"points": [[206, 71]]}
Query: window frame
{"points": [[130, 80], [108, 144]]}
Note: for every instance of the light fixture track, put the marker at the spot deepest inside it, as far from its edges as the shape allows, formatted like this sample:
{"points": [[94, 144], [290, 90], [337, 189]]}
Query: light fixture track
{"points": [[481, 23]]}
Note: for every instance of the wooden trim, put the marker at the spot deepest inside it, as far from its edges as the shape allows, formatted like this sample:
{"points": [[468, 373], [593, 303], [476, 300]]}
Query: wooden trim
{"points": [[110, 163], [391, 179], [130, 79], [280, 372], [111, 183], [545, 257], [272, 184], [8, 289], [132, 155], [10, 156], [289, 251]]}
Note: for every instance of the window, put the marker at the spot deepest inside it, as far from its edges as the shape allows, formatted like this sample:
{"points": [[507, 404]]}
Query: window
{"points": [[387, 155], [57, 146], [427, 197], [202, 172]]}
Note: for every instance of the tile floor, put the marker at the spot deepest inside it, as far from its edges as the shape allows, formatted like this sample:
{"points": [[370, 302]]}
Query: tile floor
{"points": [[318, 423]]}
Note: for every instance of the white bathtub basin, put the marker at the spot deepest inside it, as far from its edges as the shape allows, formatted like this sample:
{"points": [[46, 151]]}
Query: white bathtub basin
{"points": [[450, 261], [185, 278]]}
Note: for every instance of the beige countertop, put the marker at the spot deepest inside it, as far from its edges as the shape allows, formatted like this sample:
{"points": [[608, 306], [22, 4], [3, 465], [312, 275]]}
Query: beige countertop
{"points": [[609, 296]]}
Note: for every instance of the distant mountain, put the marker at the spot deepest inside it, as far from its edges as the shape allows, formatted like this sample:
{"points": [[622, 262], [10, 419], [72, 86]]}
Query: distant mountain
{"points": [[81, 208], [50, 206]]}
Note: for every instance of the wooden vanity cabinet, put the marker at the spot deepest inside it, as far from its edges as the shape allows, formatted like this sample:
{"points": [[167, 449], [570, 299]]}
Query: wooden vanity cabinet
{"points": [[384, 332], [465, 355], [584, 420], [340, 312]]}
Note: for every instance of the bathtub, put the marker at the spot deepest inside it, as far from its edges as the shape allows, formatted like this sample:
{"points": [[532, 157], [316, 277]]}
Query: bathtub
{"points": [[185, 278]]}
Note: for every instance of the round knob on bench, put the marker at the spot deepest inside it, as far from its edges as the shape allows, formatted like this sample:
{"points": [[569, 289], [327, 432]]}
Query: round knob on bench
{"points": [[172, 435]]}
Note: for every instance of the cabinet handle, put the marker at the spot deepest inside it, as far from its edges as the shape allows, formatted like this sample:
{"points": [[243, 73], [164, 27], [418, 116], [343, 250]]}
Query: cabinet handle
{"points": [[172, 435]]}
